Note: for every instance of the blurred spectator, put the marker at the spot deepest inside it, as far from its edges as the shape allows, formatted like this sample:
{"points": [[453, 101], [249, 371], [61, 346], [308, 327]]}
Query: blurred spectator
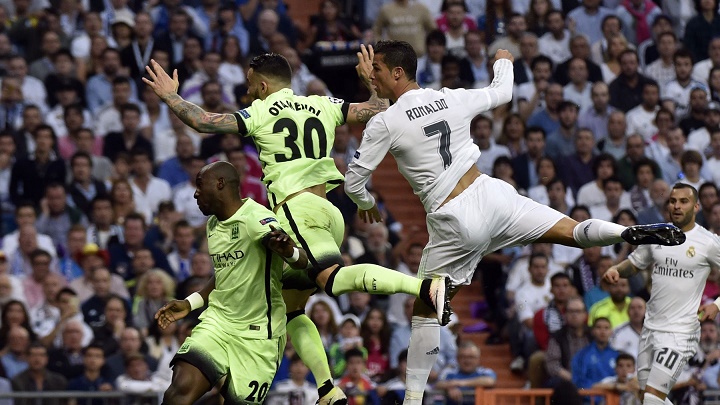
{"points": [[530, 96], [640, 197], [37, 378], [626, 90], [577, 165], [676, 93], [511, 40], [578, 90], [708, 194], [406, 21], [565, 343], [14, 357], [467, 376], [548, 118], [355, 382], [180, 258], [330, 25], [57, 216], [529, 298], [299, 390], [64, 78], [648, 49], [556, 42], [82, 40], [701, 28], [183, 194], [67, 358], [154, 289], [134, 231], [108, 333], [99, 89], [87, 142], [595, 361], [348, 338], [579, 48], [610, 27], [41, 263], [591, 193], [614, 203], [551, 318], [128, 138], [83, 189], [10, 285], [587, 19], [597, 116], [25, 215], [200, 271], [323, 317], [611, 67], [659, 192], [91, 379], [626, 337], [30, 176], [615, 307], [137, 55], [662, 70], [148, 190], [174, 170], [641, 119], [429, 71], [392, 391], [691, 162], [624, 381], [640, 15], [190, 62], [90, 258], [138, 378], [699, 139], [525, 164], [634, 153], [94, 307], [50, 43], [130, 344], [162, 345], [32, 88], [511, 136], [695, 119], [528, 52], [474, 65], [12, 104]]}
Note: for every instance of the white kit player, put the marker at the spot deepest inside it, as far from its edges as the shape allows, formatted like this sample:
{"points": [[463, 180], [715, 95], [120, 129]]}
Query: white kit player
{"points": [[671, 329], [468, 213]]}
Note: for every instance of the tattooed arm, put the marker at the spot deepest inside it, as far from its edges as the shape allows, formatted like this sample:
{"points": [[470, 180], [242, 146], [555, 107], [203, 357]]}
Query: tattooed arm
{"points": [[201, 120], [360, 113]]}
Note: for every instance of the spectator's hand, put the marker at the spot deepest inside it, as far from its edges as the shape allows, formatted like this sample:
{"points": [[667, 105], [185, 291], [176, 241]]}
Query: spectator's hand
{"points": [[633, 384], [105, 387], [280, 242], [44, 208], [64, 317], [708, 311], [455, 394], [118, 327], [174, 310], [161, 83], [364, 66], [504, 54], [371, 215], [612, 276]]}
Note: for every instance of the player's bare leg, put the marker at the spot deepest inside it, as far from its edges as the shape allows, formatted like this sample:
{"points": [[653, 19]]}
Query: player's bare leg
{"points": [[423, 349], [596, 232], [373, 279], [309, 347], [187, 386]]}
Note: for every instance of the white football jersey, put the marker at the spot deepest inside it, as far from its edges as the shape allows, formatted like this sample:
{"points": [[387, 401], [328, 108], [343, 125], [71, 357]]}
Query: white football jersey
{"points": [[428, 133], [678, 279]]}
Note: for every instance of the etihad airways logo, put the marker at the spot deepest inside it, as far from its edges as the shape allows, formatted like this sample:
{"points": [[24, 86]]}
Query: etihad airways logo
{"points": [[227, 258]]}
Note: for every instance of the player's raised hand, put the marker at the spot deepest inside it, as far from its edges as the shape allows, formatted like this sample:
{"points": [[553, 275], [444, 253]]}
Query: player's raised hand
{"points": [[365, 61], [371, 215], [280, 242], [174, 310], [708, 311], [612, 276], [162, 84], [504, 54]]}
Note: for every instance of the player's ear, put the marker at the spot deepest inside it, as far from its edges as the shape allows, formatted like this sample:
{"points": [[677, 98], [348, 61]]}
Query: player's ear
{"points": [[221, 183]]}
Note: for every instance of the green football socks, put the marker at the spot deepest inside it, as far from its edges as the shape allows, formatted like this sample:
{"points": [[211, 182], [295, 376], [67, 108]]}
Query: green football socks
{"points": [[374, 279], [308, 345]]}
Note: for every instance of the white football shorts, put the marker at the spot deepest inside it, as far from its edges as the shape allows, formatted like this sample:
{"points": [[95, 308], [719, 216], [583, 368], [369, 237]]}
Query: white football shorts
{"points": [[662, 356]]}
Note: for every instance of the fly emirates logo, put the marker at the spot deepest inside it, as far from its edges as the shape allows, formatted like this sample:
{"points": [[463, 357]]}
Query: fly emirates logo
{"points": [[227, 259], [670, 269]]}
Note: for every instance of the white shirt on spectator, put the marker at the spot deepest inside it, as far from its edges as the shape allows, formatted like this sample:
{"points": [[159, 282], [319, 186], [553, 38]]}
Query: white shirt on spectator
{"points": [[625, 339], [306, 391], [557, 50], [701, 71], [185, 203], [699, 140], [659, 72], [147, 202], [488, 156], [581, 98], [531, 298], [56, 119], [10, 243], [108, 119], [641, 121], [680, 95], [713, 167], [33, 90], [519, 276], [602, 212], [526, 91], [591, 195]]}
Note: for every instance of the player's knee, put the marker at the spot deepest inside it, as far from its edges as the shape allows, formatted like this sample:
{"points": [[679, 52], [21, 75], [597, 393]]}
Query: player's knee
{"points": [[421, 309], [327, 279], [294, 314]]}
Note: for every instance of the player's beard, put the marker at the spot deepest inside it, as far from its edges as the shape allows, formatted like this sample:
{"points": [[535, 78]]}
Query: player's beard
{"points": [[687, 219]]}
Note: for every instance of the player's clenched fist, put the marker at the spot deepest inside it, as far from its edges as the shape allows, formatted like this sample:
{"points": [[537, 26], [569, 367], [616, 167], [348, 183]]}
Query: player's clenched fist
{"points": [[504, 54], [173, 311], [612, 276]]}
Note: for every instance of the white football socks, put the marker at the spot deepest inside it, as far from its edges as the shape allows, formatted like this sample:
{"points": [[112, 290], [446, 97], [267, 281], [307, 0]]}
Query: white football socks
{"points": [[422, 353], [596, 232]]}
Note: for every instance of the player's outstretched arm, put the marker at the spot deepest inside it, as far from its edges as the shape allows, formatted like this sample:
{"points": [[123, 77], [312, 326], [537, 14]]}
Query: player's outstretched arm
{"points": [[176, 310], [282, 244], [192, 115], [362, 112]]}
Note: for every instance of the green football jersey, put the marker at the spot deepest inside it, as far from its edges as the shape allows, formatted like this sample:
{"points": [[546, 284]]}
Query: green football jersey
{"points": [[247, 299], [294, 135]]}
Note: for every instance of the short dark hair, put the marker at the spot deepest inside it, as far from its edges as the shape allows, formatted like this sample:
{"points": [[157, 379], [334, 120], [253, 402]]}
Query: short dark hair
{"points": [[611, 17], [135, 216], [139, 151], [556, 180], [44, 127], [682, 53], [642, 162], [121, 80], [435, 37], [272, 65], [707, 184], [611, 179], [602, 318], [98, 199], [398, 54], [691, 156], [76, 107], [557, 276], [534, 129], [37, 253], [354, 352], [65, 290], [93, 345], [402, 356], [129, 107], [80, 155], [680, 186], [579, 207], [540, 59], [538, 255], [479, 118], [604, 157], [666, 34], [624, 356]]}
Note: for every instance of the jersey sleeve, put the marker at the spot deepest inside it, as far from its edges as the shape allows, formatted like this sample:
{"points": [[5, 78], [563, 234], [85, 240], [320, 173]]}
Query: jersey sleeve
{"points": [[336, 107], [259, 226], [249, 118], [713, 256], [499, 92], [642, 257], [375, 144]]}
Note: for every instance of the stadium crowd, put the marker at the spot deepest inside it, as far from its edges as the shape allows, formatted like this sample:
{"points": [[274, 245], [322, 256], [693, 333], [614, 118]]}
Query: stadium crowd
{"points": [[615, 101]]}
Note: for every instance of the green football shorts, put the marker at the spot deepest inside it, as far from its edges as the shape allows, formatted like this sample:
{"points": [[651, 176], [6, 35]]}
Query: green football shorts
{"points": [[249, 364]]}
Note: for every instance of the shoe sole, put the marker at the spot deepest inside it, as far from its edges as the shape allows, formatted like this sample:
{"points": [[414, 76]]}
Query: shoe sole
{"points": [[656, 235], [442, 302]]}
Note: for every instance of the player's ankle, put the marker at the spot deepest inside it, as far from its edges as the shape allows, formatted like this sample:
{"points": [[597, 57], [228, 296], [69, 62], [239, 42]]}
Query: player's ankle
{"points": [[325, 388]]}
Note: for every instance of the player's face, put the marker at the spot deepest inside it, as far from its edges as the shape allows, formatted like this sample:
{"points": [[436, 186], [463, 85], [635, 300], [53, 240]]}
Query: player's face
{"points": [[204, 193], [381, 77], [682, 206], [257, 88]]}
